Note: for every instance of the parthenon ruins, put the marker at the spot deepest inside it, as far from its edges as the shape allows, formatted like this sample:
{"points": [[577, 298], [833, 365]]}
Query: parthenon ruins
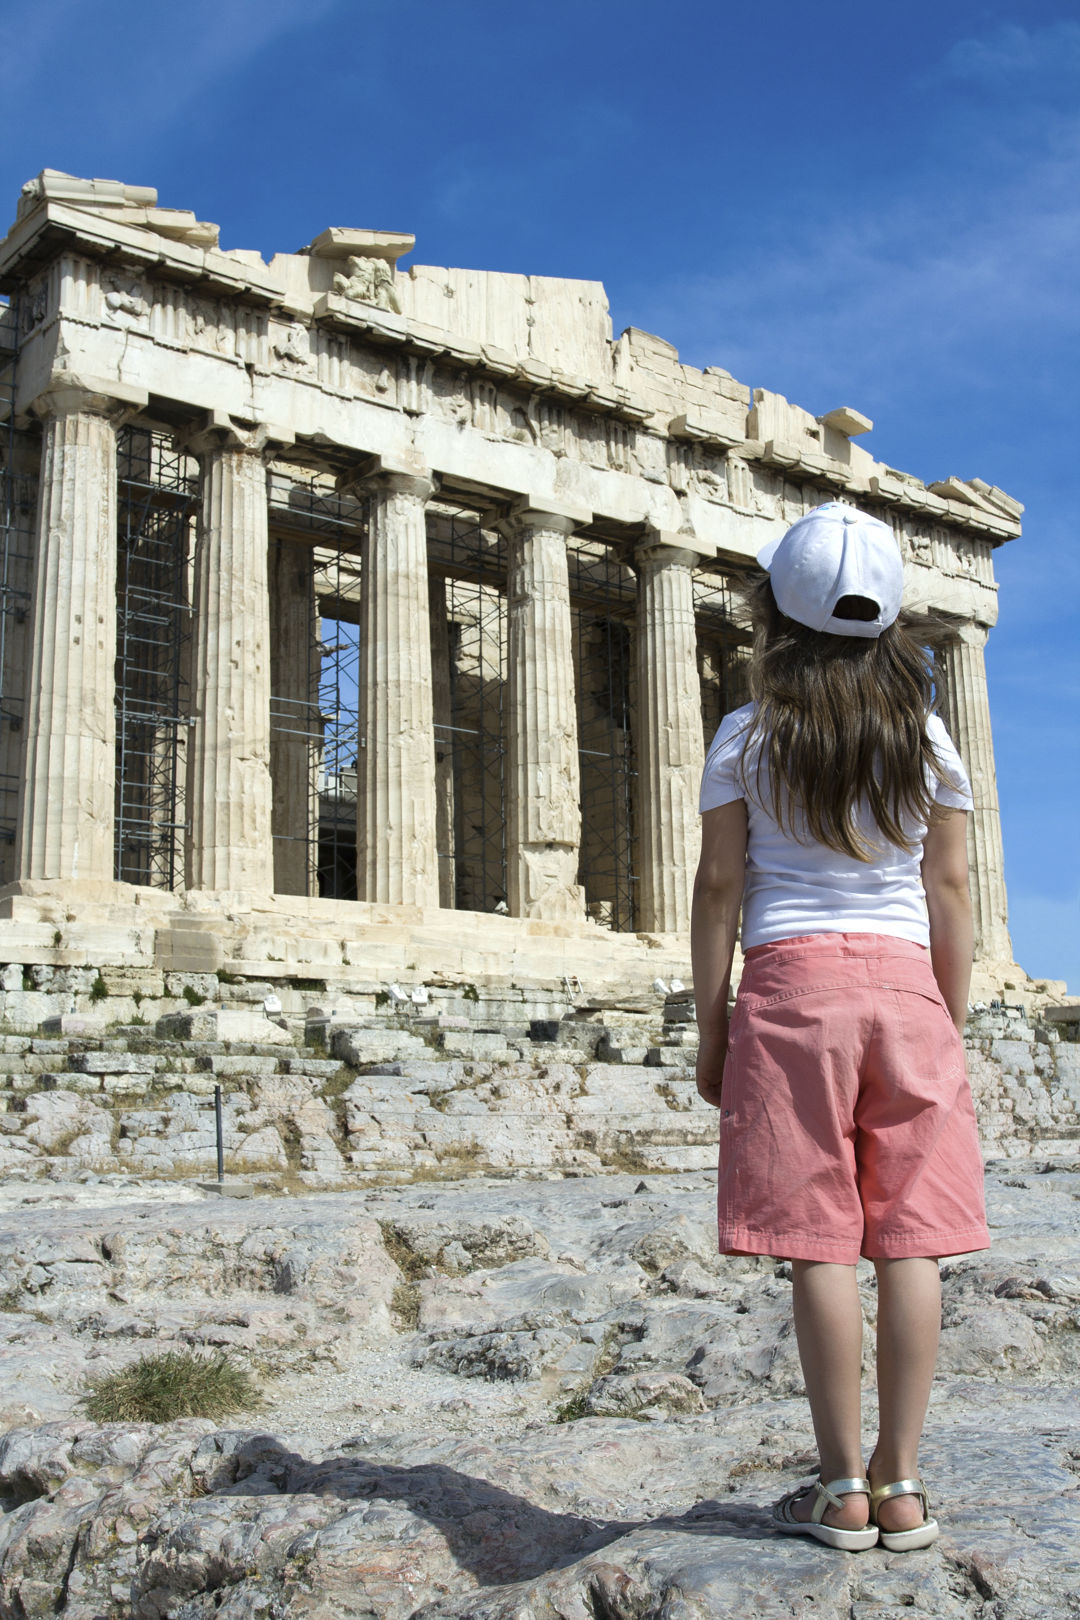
{"points": [[338, 599]]}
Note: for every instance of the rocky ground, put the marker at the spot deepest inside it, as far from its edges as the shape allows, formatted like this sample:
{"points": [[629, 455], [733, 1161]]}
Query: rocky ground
{"points": [[504, 1399]]}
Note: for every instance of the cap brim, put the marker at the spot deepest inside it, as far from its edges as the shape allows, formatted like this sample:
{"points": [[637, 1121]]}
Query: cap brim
{"points": [[768, 551]]}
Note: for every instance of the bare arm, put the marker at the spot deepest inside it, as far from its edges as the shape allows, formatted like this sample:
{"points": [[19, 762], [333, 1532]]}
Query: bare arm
{"points": [[948, 901], [718, 891]]}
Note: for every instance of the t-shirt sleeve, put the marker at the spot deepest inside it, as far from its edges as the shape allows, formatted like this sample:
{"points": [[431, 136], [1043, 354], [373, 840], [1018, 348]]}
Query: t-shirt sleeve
{"points": [[721, 780], [956, 792]]}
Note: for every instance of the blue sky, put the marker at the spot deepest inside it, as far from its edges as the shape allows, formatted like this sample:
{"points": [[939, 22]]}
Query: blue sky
{"points": [[850, 204]]}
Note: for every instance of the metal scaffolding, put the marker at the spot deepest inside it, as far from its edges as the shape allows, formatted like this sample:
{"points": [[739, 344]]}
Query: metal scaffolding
{"points": [[314, 704], [723, 643], [157, 498], [18, 495], [469, 669], [603, 601]]}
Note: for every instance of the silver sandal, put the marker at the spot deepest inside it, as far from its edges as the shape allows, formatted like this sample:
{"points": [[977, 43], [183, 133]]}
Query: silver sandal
{"points": [[905, 1540], [830, 1495]]}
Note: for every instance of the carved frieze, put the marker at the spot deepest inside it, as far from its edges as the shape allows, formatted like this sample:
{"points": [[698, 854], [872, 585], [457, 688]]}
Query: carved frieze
{"points": [[126, 300], [210, 326], [290, 348], [368, 281]]}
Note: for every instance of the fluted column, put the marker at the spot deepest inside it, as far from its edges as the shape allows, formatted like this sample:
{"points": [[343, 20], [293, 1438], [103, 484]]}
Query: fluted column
{"points": [[66, 808], [967, 707], [543, 777], [668, 740], [396, 851], [229, 786], [444, 749], [294, 684]]}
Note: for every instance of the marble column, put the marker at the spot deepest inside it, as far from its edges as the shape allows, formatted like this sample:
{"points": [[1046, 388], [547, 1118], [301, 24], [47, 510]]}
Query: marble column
{"points": [[669, 744], [543, 775], [396, 849], [967, 715], [66, 808], [444, 749], [294, 684], [229, 787]]}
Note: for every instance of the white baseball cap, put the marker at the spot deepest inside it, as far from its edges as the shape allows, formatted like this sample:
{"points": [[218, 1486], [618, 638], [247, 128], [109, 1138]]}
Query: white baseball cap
{"points": [[832, 552]]}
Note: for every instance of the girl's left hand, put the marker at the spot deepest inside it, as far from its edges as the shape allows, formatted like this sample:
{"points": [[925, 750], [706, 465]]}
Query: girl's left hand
{"points": [[710, 1073]]}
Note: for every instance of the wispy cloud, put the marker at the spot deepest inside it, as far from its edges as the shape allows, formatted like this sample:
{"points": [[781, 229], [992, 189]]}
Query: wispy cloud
{"points": [[101, 75], [1012, 56], [935, 281]]}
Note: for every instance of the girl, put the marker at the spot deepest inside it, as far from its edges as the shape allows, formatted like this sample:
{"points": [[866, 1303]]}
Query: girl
{"points": [[834, 812]]}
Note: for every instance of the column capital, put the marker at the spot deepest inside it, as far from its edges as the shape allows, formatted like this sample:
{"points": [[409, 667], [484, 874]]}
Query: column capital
{"points": [[663, 549], [68, 392], [547, 512], [220, 431], [396, 475], [972, 633]]}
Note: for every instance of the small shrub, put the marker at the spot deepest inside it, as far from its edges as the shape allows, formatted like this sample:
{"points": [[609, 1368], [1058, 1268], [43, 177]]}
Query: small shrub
{"points": [[411, 1265], [137, 997], [174, 1384], [192, 996], [225, 977], [575, 1407], [57, 939], [99, 989], [405, 1306]]}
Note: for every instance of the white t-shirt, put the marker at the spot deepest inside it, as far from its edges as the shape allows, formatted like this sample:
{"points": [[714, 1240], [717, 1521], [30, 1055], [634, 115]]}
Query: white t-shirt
{"points": [[794, 887]]}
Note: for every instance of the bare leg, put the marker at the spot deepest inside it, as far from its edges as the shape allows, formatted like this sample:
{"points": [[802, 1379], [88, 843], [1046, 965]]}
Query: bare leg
{"points": [[909, 1324], [829, 1327]]}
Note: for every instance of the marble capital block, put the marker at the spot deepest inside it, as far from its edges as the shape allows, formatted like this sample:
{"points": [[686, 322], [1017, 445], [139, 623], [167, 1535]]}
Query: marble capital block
{"points": [[66, 814], [669, 741], [229, 790], [396, 845], [544, 787]]}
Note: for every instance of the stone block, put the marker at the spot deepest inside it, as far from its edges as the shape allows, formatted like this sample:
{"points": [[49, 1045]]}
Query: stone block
{"points": [[254, 1067], [115, 1062], [221, 1024], [207, 985]]}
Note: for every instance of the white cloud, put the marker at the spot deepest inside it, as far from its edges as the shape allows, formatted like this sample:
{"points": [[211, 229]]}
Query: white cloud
{"points": [[1010, 55], [125, 80]]}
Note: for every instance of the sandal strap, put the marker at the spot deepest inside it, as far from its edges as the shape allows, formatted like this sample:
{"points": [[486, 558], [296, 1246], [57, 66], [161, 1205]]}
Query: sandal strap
{"points": [[832, 1494], [902, 1487]]}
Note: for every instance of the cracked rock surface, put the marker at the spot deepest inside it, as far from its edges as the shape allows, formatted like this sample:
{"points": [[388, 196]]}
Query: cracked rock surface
{"points": [[505, 1400]]}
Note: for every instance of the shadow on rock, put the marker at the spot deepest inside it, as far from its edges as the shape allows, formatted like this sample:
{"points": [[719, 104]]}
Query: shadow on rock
{"points": [[489, 1531]]}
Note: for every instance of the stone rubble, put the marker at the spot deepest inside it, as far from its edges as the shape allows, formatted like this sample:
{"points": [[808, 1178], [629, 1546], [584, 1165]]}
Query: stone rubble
{"points": [[374, 1092]]}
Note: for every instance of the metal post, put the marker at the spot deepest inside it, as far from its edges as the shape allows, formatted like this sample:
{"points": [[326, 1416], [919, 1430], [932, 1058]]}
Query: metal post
{"points": [[220, 1136]]}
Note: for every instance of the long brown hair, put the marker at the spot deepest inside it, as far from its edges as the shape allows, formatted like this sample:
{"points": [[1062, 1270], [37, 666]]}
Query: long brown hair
{"points": [[841, 722]]}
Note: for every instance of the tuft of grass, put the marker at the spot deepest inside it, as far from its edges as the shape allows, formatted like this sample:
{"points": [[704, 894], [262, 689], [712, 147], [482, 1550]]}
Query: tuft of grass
{"points": [[173, 1384], [575, 1407], [412, 1266], [99, 989], [405, 1306], [192, 996]]}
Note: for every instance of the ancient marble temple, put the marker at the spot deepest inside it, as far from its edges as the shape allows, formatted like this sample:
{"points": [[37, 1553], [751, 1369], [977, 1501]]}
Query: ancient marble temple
{"points": [[367, 620]]}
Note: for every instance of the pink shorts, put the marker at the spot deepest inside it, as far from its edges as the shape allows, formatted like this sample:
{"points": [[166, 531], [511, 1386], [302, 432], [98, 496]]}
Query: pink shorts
{"points": [[847, 1126]]}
